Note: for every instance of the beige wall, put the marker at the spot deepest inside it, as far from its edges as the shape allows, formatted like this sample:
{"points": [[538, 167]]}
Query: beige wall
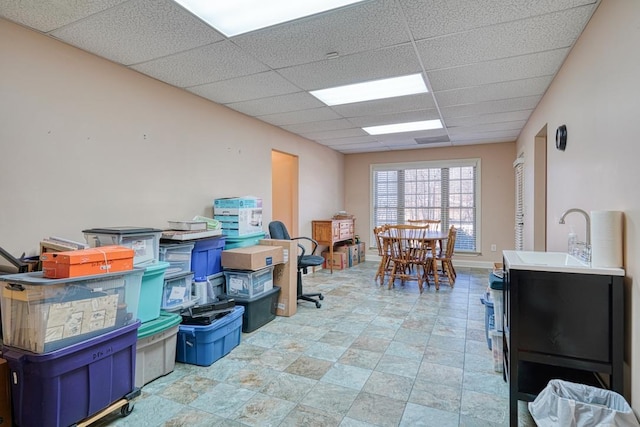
{"points": [[497, 192], [88, 143], [597, 95]]}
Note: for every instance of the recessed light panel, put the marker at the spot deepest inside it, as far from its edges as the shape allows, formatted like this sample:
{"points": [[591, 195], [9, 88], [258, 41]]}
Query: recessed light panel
{"points": [[404, 127], [377, 89], [233, 17]]}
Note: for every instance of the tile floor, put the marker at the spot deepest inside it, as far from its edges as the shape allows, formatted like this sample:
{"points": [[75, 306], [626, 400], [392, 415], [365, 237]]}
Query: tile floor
{"points": [[369, 357]]}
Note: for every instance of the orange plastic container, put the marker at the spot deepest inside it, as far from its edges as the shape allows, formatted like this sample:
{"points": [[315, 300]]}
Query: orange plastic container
{"points": [[86, 262]]}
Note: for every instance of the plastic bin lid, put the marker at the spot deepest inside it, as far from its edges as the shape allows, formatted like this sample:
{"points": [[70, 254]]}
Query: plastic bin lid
{"points": [[265, 294], [162, 323], [156, 267], [245, 237], [122, 230], [37, 277], [495, 282]]}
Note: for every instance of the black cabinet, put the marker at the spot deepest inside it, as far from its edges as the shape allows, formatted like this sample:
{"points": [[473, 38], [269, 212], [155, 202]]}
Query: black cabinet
{"points": [[561, 325]]}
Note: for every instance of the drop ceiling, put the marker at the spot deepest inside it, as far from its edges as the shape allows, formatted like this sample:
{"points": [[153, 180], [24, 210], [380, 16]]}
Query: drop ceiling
{"points": [[486, 63]]}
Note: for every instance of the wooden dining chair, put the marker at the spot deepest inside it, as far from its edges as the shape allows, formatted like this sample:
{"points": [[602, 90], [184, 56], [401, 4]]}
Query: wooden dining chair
{"points": [[446, 258], [407, 254], [383, 252], [434, 224]]}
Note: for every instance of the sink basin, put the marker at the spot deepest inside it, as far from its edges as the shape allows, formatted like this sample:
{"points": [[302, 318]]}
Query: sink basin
{"points": [[556, 259], [553, 261]]}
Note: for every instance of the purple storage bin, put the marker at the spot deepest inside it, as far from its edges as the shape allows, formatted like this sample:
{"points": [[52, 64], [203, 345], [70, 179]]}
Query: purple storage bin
{"points": [[65, 386], [206, 257]]}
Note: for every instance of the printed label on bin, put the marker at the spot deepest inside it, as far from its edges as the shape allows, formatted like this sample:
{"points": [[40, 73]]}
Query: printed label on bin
{"points": [[177, 293], [269, 260]]}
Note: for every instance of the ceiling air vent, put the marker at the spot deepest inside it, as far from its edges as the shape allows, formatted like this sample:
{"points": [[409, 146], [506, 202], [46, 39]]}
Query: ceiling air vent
{"points": [[432, 139]]}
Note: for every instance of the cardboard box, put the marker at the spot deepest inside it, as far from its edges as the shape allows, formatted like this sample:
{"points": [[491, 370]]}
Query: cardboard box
{"points": [[5, 395], [233, 205], [362, 252], [351, 251], [86, 262], [285, 276], [252, 257], [340, 261]]}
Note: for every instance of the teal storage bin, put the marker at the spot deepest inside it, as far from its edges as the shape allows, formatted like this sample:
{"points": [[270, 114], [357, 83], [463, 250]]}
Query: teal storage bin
{"points": [[151, 291], [244, 241]]}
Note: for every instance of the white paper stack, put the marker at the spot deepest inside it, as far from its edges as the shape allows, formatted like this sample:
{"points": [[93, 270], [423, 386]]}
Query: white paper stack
{"points": [[606, 239]]}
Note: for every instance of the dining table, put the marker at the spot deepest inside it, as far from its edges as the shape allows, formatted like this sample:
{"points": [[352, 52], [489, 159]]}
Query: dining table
{"points": [[428, 239]]}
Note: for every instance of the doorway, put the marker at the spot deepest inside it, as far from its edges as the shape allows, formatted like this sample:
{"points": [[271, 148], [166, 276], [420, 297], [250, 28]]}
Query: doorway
{"points": [[284, 190], [540, 191]]}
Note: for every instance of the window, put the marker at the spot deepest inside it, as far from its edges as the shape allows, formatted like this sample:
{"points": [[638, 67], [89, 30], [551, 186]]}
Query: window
{"points": [[448, 191]]}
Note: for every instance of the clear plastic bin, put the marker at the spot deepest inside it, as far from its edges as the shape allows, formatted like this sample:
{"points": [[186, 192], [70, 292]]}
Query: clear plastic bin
{"points": [[178, 255], [248, 283], [42, 315], [144, 241]]}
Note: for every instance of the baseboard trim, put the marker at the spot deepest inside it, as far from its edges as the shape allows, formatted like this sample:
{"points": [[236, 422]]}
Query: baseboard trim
{"points": [[460, 261]]}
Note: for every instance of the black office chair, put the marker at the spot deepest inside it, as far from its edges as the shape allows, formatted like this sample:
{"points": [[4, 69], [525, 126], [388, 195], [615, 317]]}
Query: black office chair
{"points": [[278, 231]]}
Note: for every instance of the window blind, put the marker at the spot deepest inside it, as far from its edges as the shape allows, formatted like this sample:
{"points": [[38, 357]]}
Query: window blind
{"points": [[448, 192], [519, 220]]}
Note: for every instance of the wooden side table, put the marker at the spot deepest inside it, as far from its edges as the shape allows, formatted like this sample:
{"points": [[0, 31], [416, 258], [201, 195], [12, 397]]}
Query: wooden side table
{"points": [[331, 231]]}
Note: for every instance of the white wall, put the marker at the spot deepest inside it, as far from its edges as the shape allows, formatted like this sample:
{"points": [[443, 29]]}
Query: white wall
{"points": [[597, 95], [88, 143]]}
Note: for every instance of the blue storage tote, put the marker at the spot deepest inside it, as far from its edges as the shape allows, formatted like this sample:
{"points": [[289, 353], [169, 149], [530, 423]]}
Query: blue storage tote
{"points": [[203, 345], [156, 348], [63, 387], [206, 257], [151, 291]]}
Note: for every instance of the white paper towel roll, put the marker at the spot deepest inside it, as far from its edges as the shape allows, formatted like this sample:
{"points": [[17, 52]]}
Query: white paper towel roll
{"points": [[606, 239]]}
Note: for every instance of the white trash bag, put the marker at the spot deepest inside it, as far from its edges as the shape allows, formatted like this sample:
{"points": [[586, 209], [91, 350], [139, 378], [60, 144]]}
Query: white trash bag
{"points": [[566, 404]]}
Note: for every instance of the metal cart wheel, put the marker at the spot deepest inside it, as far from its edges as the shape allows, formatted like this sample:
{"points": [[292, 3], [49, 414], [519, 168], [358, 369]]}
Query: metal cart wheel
{"points": [[126, 409]]}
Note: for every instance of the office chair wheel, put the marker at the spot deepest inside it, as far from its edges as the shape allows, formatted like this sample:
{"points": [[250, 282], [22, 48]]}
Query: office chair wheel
{"points": [[320, 297], [318, 305]]}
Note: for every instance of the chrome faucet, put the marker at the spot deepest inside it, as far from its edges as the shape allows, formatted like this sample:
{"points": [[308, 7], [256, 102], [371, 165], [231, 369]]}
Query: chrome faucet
{"points": [[586, 218]]}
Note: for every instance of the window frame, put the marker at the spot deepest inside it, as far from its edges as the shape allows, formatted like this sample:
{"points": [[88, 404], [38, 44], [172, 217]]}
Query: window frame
{"points": [[471, 162]]}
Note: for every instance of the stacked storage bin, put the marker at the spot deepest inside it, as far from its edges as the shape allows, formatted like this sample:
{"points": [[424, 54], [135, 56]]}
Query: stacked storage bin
{"points": [[241, 219], [156, 337], [249, 280], [69, 343], [496, 289]]}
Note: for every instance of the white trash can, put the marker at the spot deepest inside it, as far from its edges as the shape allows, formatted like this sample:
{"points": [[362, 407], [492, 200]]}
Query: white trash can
{"points": [[566, 404]]}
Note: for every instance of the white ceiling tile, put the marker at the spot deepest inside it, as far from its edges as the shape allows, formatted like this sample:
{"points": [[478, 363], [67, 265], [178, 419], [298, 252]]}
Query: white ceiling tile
{"points": [[499, 70], [352, 145], [411, 136], [260, 85], [537, 34], [494, 91], [489, 127], [500, 106], [359, 67], [480, 119], [138, 31], [404, 117], [361, 150], [329, 125], [361, 27], [483, 141], [300, 116], [211, 63], [429, 18], [277, 104], [421, 101], [48, 15], [352, 133], [487, 136]]}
